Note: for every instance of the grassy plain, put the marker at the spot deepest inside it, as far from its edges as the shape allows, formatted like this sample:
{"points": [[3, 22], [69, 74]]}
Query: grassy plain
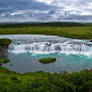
{"points": [[83, 31]]}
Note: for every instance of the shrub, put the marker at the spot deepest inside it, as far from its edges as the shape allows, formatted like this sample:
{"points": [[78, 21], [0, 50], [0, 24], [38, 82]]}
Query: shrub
{"points": [[3, 60], [5, 42], [47, 60]]}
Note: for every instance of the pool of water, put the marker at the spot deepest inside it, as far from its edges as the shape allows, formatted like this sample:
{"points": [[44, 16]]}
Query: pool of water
{"points": [[26, 50]]}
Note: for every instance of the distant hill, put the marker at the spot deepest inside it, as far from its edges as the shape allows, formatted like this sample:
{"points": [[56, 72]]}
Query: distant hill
{"points": [[56, 24]]}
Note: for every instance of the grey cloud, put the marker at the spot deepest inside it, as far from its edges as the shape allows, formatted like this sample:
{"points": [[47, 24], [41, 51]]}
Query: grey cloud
{"points": [[58, 10]]}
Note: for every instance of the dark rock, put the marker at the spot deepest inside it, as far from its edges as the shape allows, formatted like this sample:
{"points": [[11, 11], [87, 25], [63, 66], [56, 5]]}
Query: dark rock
{"points": [[4, 43], [90, 70], [90, 40]]}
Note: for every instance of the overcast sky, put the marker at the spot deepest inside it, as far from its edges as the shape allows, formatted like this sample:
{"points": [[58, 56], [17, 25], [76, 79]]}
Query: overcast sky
{"points": [[45, 10]]}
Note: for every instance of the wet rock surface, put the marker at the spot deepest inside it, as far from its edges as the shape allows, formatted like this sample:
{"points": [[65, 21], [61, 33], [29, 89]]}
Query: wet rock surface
{"points": [[4, 43]]}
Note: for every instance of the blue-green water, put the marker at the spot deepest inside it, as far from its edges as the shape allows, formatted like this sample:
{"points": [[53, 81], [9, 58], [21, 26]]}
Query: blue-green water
{"points": [[26, 63], [25, 52]]}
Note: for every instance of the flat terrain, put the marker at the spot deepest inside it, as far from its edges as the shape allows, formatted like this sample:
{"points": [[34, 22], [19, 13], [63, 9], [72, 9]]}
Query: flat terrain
{"points": [[77, 31]]}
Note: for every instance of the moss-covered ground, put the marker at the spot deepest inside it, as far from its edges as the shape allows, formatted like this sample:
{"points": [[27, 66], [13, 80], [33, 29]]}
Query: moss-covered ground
{"points": [[47, 60]]}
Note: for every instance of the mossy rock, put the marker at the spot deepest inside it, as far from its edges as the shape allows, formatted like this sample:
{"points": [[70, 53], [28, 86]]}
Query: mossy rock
{"points": [[47, 60], [4, 60], [5, 42]]}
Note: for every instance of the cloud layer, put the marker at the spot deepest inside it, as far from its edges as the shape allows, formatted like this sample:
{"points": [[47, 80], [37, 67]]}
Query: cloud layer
{"points": [[45, 10]]}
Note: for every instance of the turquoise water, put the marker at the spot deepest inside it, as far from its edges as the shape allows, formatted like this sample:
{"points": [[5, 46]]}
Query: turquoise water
{"points": [[25, 52], [26, 63]]}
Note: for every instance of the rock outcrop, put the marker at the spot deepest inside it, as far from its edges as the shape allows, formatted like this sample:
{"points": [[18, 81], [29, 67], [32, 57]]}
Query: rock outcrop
{"points": [[4, 43]]}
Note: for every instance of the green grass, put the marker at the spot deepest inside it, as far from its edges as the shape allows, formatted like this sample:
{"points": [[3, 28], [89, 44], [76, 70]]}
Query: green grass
{"points": [[3, 60], [80, 32], [47, 60], [45, 82], [5, 42]]}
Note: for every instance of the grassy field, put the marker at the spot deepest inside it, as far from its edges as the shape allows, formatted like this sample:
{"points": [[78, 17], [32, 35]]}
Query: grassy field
{"points": [[45, 82], [78, 32]]}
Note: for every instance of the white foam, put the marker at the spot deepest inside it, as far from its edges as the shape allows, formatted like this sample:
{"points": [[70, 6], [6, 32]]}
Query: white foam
{"points": [[67, 47]]}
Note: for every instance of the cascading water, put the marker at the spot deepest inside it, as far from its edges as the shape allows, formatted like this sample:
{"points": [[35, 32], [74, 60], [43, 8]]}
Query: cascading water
{"points": [[48, 47], [25, 51]]}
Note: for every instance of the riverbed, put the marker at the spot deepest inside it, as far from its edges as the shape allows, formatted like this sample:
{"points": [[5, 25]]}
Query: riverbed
{"points": [[72, 55]]}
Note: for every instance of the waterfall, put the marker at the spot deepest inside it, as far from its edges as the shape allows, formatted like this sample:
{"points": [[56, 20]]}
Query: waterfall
{"points": [[67, 47]]}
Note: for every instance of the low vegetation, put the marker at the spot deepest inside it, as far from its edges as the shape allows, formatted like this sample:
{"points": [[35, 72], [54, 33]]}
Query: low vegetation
{"points": [[57, 24], [72, 30], [3, 60], [5, 42], [47, 60], [45, 82]]}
